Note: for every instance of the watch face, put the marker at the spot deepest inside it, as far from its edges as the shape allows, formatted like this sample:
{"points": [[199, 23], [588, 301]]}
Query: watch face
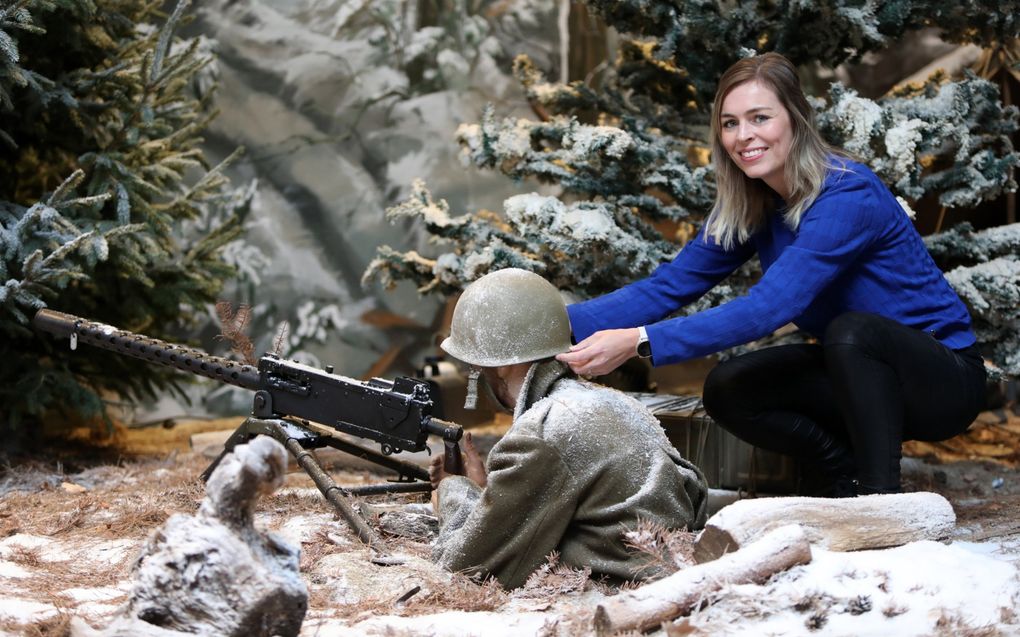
{"points": [[644, 349]]}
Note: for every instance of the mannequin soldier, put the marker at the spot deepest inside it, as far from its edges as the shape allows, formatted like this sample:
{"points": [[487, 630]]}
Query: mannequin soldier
{"points": [[580, 465]]}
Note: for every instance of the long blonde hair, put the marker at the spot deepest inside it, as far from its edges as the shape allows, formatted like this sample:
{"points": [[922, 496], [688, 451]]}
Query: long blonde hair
{"points": [[741, 202]]}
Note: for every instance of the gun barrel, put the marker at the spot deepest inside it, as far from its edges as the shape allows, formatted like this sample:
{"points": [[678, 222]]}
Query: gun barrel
{"points": [[148, 349]]}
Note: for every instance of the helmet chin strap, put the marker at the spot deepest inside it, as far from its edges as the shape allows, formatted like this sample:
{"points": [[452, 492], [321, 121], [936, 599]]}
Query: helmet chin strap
{"points": [[477, 384], [471, 399]]}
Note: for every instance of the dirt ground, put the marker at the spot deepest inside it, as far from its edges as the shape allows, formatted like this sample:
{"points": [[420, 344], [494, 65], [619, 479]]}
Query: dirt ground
{"points": [[71, 524]]}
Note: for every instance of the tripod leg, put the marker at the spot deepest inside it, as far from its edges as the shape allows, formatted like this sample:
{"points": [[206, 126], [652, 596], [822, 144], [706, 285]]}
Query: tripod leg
{"points": [[330, 490], [292, 435], [240, 436]]}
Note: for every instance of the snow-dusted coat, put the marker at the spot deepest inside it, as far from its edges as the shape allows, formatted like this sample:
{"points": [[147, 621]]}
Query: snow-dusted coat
{"points": [[581, 464]]}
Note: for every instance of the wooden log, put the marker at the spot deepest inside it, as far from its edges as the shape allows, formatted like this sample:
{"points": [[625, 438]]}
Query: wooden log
{"points": [[647, 607], [844, 524]]}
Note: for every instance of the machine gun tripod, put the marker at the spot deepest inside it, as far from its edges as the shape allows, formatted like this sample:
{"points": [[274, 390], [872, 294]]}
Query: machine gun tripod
{"points": [[289, 396]]}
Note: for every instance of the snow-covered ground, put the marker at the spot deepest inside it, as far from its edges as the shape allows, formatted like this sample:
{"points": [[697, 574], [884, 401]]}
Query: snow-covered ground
{"points": [[67, 552], [922, 588]]}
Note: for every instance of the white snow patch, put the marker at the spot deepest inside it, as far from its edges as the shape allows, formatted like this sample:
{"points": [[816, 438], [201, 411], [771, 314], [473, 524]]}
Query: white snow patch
{"points": [[297, 492], [514, 143], [353, 579], [23, 541], [12, 570], [584, 141], [98, 609], [305, 528], [452, 624], [906, 208], [103, 594], [901, 143], [858, 118], [110, 552], [24, 611], [921, 581]]}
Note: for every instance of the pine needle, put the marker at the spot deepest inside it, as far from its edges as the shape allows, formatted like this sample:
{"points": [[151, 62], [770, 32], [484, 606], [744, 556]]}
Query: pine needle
{"points": [[233, 328]]}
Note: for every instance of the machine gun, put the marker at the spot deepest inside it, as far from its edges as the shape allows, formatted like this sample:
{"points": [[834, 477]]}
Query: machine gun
{"points": [[289, 396]]}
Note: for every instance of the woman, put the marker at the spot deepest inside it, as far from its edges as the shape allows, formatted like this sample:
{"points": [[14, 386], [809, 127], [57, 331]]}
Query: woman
{"points": [[896, 358]]}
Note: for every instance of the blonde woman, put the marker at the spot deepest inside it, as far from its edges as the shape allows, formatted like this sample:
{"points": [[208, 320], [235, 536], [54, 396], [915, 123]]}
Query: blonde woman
{"points": [[896, 358]]}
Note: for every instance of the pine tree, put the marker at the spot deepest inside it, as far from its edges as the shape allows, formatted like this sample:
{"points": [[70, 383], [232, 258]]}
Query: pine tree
{"points": [[984, 268], [630, 156], [100, 169]]}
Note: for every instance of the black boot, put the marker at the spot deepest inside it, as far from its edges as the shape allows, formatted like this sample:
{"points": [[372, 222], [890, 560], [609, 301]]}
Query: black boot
{"points": [[867, 489], [834, 472], [844, 487]]}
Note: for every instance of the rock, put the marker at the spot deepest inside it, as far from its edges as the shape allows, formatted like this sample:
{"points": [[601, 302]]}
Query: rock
{"points": [[213, 573], [416, 526], [71, 487]]}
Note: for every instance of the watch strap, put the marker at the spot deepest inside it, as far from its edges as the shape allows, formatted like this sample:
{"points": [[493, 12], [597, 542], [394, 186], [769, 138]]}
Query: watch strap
{"points": [[644, 347]]}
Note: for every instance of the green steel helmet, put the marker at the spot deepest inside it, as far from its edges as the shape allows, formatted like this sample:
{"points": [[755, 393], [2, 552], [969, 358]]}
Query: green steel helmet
{"points": [[506, 317]]}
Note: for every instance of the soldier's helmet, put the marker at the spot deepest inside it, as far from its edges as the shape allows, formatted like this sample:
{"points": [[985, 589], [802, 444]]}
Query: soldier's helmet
{"points": [[506, 317]]}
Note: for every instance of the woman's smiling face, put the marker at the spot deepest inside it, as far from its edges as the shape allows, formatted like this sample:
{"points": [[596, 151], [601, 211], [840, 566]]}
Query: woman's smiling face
{"points": [[755, 130]]}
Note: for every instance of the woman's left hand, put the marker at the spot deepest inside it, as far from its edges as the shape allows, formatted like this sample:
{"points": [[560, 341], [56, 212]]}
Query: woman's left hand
{"points": [[602, 352]]}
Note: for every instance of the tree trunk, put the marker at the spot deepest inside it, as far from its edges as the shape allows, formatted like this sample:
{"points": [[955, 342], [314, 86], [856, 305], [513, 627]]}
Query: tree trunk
{"points": [[647, 607], [847, 524]]}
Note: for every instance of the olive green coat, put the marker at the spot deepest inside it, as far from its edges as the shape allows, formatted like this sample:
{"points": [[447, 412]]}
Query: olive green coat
{"points": [[580, 466]]}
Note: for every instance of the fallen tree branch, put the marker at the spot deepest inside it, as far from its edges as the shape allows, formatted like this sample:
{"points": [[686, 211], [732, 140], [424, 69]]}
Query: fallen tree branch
{"points": [[647, 607], [846, 524], [1002, 530]]}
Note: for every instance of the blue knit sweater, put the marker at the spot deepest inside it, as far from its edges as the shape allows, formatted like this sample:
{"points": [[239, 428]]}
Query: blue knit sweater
{"points": [[855, 250]]}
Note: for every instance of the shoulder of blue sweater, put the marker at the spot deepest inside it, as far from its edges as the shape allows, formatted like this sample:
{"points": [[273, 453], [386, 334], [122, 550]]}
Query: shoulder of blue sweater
{"points": [[844, 173], [856, 181], [857, 193]]}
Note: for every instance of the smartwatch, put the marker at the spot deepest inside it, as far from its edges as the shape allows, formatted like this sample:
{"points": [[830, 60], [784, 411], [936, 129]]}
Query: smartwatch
{"points": [[644, 348]]}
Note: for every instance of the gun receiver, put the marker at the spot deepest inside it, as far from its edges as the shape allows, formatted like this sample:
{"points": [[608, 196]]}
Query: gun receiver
{"points": [[397, 414]]}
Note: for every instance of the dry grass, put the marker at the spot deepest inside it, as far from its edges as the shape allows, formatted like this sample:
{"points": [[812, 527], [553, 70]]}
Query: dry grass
{"points": [[59, 625], [128, 500], [1008, 615], [10, 524], [185, 495], [312, 552], [666, 551], [117, 501], [553, 580], [952, 625], [444, 592], [139, 520], [24, 556], [125, 501], [410, 547], [75, 518], [51, 579], [813, 602], [290, 501], [461, 593], [893, 609]]}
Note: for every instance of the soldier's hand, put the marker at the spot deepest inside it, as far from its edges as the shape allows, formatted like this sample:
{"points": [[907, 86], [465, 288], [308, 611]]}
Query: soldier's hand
{"points": [[474, 468], [602, 352], [436, 471]]}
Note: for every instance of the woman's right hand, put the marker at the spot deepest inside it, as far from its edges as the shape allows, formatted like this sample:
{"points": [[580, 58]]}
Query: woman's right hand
{"points": [[602, 352]]}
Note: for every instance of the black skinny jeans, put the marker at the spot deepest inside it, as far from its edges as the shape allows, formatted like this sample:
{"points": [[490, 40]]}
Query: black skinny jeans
{"points": [[847, 405]]}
